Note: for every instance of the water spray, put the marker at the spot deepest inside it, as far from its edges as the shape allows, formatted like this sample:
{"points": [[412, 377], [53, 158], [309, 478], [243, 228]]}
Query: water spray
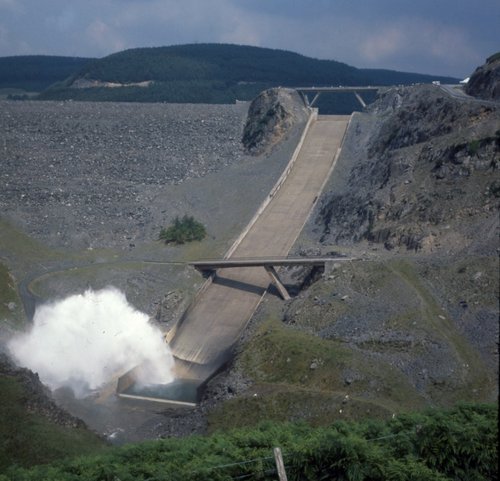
{"points": [[86, 340]]}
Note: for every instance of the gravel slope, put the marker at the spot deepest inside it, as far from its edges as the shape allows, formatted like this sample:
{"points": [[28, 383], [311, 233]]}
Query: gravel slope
{"points": [[101, 174]]}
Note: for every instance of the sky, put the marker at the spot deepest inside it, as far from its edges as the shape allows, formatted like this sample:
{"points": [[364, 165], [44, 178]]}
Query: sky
{"points": [[440, 37]]}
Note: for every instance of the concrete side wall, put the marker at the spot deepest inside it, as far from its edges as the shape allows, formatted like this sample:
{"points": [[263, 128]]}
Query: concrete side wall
{"points": [[312, 118]]}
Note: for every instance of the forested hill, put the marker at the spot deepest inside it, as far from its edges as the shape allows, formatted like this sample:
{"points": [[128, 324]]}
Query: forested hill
{"points": [[37, 72], [236, 63], [211, 73]]}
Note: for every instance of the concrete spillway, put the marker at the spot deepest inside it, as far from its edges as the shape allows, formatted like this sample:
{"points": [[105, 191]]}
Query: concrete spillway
{"points": [[203, 338]]}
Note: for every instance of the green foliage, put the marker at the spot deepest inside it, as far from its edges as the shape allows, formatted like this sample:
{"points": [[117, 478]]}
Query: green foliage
{"points": [[473, 146], [174, 91], [10, 303], [219, 73], [183, 230], [231, 64], [493, 58], [459, 444], [494, 188], [37, 72], [278, 359], [18, 97], [227, 63], [27, 438]]}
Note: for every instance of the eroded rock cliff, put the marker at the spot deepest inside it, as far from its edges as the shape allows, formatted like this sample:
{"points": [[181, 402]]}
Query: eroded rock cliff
{"points": [[424, 177], [36, 397], [270, 117], [485, 81]]}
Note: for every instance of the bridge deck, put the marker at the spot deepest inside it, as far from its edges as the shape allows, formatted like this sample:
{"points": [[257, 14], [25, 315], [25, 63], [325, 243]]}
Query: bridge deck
{"points": [[339, 89], [232, 262], [215, 321]]}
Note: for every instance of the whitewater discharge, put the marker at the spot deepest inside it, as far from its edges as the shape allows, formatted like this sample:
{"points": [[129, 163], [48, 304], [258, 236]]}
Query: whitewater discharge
{"points": [[86, 340]]}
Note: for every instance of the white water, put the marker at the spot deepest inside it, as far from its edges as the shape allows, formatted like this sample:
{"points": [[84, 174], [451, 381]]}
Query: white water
{"points": [[88, 339]]}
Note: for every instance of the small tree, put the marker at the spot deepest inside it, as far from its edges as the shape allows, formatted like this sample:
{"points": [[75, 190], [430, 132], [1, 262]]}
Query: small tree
{"points": [[183, 230]]}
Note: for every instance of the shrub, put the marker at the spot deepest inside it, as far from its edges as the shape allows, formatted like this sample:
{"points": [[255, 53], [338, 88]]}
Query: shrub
{"points": [[183, 230], [493, 58], [438, 445], [473, 147]]}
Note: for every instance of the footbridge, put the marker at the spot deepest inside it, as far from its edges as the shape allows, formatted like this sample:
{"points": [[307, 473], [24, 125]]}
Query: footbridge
{"points": [[317, 91], [203, 339], [211, 266]]}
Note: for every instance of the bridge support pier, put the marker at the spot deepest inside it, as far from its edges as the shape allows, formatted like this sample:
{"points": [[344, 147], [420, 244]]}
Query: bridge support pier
{"points": [[360, 100], [304, 91], [316, 97], [277, 282], [209, 267]]}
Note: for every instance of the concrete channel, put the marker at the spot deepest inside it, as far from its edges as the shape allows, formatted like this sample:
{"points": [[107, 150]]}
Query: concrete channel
{"points": [[203, 339]]}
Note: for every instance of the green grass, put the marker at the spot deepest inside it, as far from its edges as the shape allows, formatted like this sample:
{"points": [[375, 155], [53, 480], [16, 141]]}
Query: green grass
{"points": [[27, 439], [473, 146], [20, 245], [30, 254], [476, 378], [435, 445], [282, 403], [279, 359], [473, 278], [9, 296]]}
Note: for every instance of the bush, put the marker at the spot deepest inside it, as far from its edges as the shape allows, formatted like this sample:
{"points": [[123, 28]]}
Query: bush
{"points": [[473, 147], [438, 445], [493, 58], [183, 230]]}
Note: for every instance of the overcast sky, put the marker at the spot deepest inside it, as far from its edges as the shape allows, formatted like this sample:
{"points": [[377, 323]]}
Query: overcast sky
{"points": [[445, 37]]}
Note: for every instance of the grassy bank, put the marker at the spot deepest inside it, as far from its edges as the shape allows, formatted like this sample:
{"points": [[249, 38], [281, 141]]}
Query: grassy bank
{"points": [[458, 444], [11, 310], [297, 375], [28, 438]]}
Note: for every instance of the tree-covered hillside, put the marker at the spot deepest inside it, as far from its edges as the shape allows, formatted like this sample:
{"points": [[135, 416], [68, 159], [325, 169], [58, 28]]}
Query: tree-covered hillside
{"points": [[37, 72], [211, 73], [229, 63], [233, 63]]}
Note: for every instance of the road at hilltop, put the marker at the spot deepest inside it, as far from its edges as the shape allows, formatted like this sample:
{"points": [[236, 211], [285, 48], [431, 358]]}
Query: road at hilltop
{"points": [[457, 92]]}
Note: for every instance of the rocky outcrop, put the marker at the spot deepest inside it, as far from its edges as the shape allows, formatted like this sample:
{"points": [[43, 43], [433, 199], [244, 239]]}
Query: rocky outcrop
{"points": [[485, 81], [424, 170], [36, 397], [415, 193], [270, 117]]}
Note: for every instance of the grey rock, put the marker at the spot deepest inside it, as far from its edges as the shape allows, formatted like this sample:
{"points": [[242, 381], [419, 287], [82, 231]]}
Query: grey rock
{"points": [[270, 117], [485, 81]]}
